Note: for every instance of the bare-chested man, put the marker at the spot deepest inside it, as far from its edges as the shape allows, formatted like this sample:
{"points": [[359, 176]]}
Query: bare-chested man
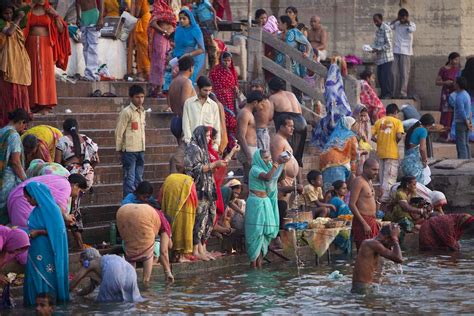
{"points": [[246, 133], [385, 244], [363, 204], [263, 117], [285, 104], [181, 89], [318, 37], [278, 146]]}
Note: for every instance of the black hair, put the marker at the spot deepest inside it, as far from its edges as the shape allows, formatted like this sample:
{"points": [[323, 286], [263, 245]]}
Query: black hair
{"points": [[30, 141], [405, 181], [7, 5], [48, 296], [259, 13], [277, 84], [378, 15], [468, 73], [386, 230], [254, 95], [71, 127], [337, 185], [171, 37], [203, 82], [294, 10], [282, 120], [18, 115], [452, 56], [286, 19], [364, 75], [78, 179], [144, 187], [134, 90], [185, 63], [312, 175], [301, 27], [213, 132], [226, 55], [426, 120], [392, 108], [462, 83], [185, 13], [403, 12]]}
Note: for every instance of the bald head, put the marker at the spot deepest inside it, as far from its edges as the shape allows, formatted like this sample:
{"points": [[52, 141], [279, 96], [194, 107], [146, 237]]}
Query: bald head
{"points": [[371, 169], [315, 22]]}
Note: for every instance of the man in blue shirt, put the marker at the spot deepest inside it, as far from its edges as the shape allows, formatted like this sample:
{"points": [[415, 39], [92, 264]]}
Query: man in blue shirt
{"points": [[462, 118]]}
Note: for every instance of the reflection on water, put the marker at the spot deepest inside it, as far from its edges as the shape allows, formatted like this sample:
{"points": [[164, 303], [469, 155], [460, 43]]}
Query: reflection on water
{"points": [[436, 283]]}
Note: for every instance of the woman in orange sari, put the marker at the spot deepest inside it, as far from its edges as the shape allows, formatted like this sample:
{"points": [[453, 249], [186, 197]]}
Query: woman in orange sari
{"points": [[15, 69], [138, 40], [47, 44]]}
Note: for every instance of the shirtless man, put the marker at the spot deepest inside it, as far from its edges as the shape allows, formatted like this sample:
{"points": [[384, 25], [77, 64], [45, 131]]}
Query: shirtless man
{"points": [[285, 104], [363, 205], [386, 244], [246, 133], [263, 116], [278, 146], [318, 37], [181, 89]]}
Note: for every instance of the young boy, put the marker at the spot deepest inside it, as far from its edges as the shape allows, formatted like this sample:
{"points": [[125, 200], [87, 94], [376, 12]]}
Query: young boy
{"points": [[462, 119], [90, 19], [44, 304], [387, 132], [313, 197], [130, 139]]}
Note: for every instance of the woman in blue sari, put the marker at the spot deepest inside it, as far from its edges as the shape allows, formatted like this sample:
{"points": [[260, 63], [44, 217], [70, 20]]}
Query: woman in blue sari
{"points": [[47, 268], [343, 240], [189, 41], [261, 217], [337, 104], [416, 144], [297, 40]]}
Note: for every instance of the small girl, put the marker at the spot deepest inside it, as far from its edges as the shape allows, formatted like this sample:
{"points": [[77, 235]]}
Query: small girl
{"points": [[362, 129]]}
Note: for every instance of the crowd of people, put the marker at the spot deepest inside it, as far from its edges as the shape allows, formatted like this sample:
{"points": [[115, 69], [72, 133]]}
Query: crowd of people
{"points": [[360, 170]]}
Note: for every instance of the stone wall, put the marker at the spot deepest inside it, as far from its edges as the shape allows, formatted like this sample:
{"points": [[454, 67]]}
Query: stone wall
{"points": [[442, 27]]}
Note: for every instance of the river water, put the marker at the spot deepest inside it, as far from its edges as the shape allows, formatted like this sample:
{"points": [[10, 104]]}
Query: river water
{"points": [[425, 283]]}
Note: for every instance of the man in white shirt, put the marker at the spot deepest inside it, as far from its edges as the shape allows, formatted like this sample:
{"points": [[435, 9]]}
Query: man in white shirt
{"points": [[201, 110], [402, 51]]}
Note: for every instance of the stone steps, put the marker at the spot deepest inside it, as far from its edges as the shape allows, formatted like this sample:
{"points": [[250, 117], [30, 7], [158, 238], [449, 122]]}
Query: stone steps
{"points": [[400, 102], [112, 105], [84, 88]]}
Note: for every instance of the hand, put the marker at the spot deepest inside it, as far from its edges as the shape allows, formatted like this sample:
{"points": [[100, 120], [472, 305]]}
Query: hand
{"points": [[20, 15], [69, 219], [449, 82], [78, 22], [299, 188], [236, 148], [282, 160], [425, 163], [100, 24], [332, 207], [220, 163], [3, 280], [395, 231], [367, 229]]}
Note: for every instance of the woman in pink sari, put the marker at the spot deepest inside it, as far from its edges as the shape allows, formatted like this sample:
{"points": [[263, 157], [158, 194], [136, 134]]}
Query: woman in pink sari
{"points": [[369, 98], [225, 84], [162, 25], [14, 244]]}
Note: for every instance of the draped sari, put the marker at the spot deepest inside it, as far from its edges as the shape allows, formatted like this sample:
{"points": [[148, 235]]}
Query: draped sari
{"points": [[369, 98], [47, 268], [12, 239], [337, 106], [188, 39], [48, 138], [138, 39], [262, 220], [219, 174]]}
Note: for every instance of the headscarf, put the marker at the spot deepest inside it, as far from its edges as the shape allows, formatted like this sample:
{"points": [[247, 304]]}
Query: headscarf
{"points": [[13, 239], [182, 33], [337, 106], [341, 133], [438, 198], [233, 183], [90, 254], [199, 139], [272, 25], [162, 12]]}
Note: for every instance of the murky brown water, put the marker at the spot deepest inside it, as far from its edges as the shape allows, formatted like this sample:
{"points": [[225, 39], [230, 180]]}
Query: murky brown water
{"points": [[426, 283]]}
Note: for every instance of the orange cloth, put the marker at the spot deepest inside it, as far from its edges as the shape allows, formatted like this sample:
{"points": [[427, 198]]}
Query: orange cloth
{"points": [[139, 38], [336, 157], [42, 91], [358, 232], [138, 225], [14, 60]]}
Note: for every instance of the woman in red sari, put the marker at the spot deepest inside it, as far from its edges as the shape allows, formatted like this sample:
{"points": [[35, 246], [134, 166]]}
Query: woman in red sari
{"points": [[444, 231], [369, 98], [162, 25], [446, 78], [47, 44], [225, 84]]}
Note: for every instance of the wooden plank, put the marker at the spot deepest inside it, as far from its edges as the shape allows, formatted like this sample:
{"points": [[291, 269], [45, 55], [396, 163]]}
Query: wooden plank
{"points": [[255, 53], [294, 54], [290, 77]]}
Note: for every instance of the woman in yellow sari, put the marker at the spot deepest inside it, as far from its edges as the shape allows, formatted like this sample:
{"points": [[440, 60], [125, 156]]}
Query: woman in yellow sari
{"points": [[47, 138], [178, 199], [138, 40], [114, 7]]}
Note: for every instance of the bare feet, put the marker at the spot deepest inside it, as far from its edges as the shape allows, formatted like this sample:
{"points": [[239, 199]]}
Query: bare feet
{"points": [[146, 284], [169, 276]]}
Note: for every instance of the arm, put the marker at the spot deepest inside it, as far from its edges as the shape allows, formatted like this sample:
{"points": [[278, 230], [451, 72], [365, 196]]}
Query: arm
{"points": [[400, 131], [269, 175], [423, 152], [388, 39], [411, 27], [411, 209], [83, 272], [394, 254], [121, 129], [38, 232], [441, 82], [355, 193], [186, 125], [15, 162], [58, 157], [242, 123], [324, 40], [78, 13], [154, 25], [100, 22]]}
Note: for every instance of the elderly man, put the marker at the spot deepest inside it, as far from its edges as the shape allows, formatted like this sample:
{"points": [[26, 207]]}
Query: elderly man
{"points": [[318, 37], [382, 47]]}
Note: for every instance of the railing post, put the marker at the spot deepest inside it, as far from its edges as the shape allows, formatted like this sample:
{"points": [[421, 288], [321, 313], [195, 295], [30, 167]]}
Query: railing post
{"points": [[255, 52], [288, 67]]}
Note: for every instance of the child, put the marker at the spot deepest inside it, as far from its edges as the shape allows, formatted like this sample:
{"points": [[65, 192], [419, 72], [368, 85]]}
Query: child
{"points": [[90, 19], [462, 118], [44, 304], [362, 129], [313, 195]]}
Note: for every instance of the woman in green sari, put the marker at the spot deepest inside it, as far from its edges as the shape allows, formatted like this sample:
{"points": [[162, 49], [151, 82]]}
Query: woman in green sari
{"points": [[262, 218]]}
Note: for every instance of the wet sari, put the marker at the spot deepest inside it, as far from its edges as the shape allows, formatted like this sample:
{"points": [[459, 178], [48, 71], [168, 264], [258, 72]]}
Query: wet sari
{"points": [[47, 268], [444, 231], [262, 219], [337, 106]]}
